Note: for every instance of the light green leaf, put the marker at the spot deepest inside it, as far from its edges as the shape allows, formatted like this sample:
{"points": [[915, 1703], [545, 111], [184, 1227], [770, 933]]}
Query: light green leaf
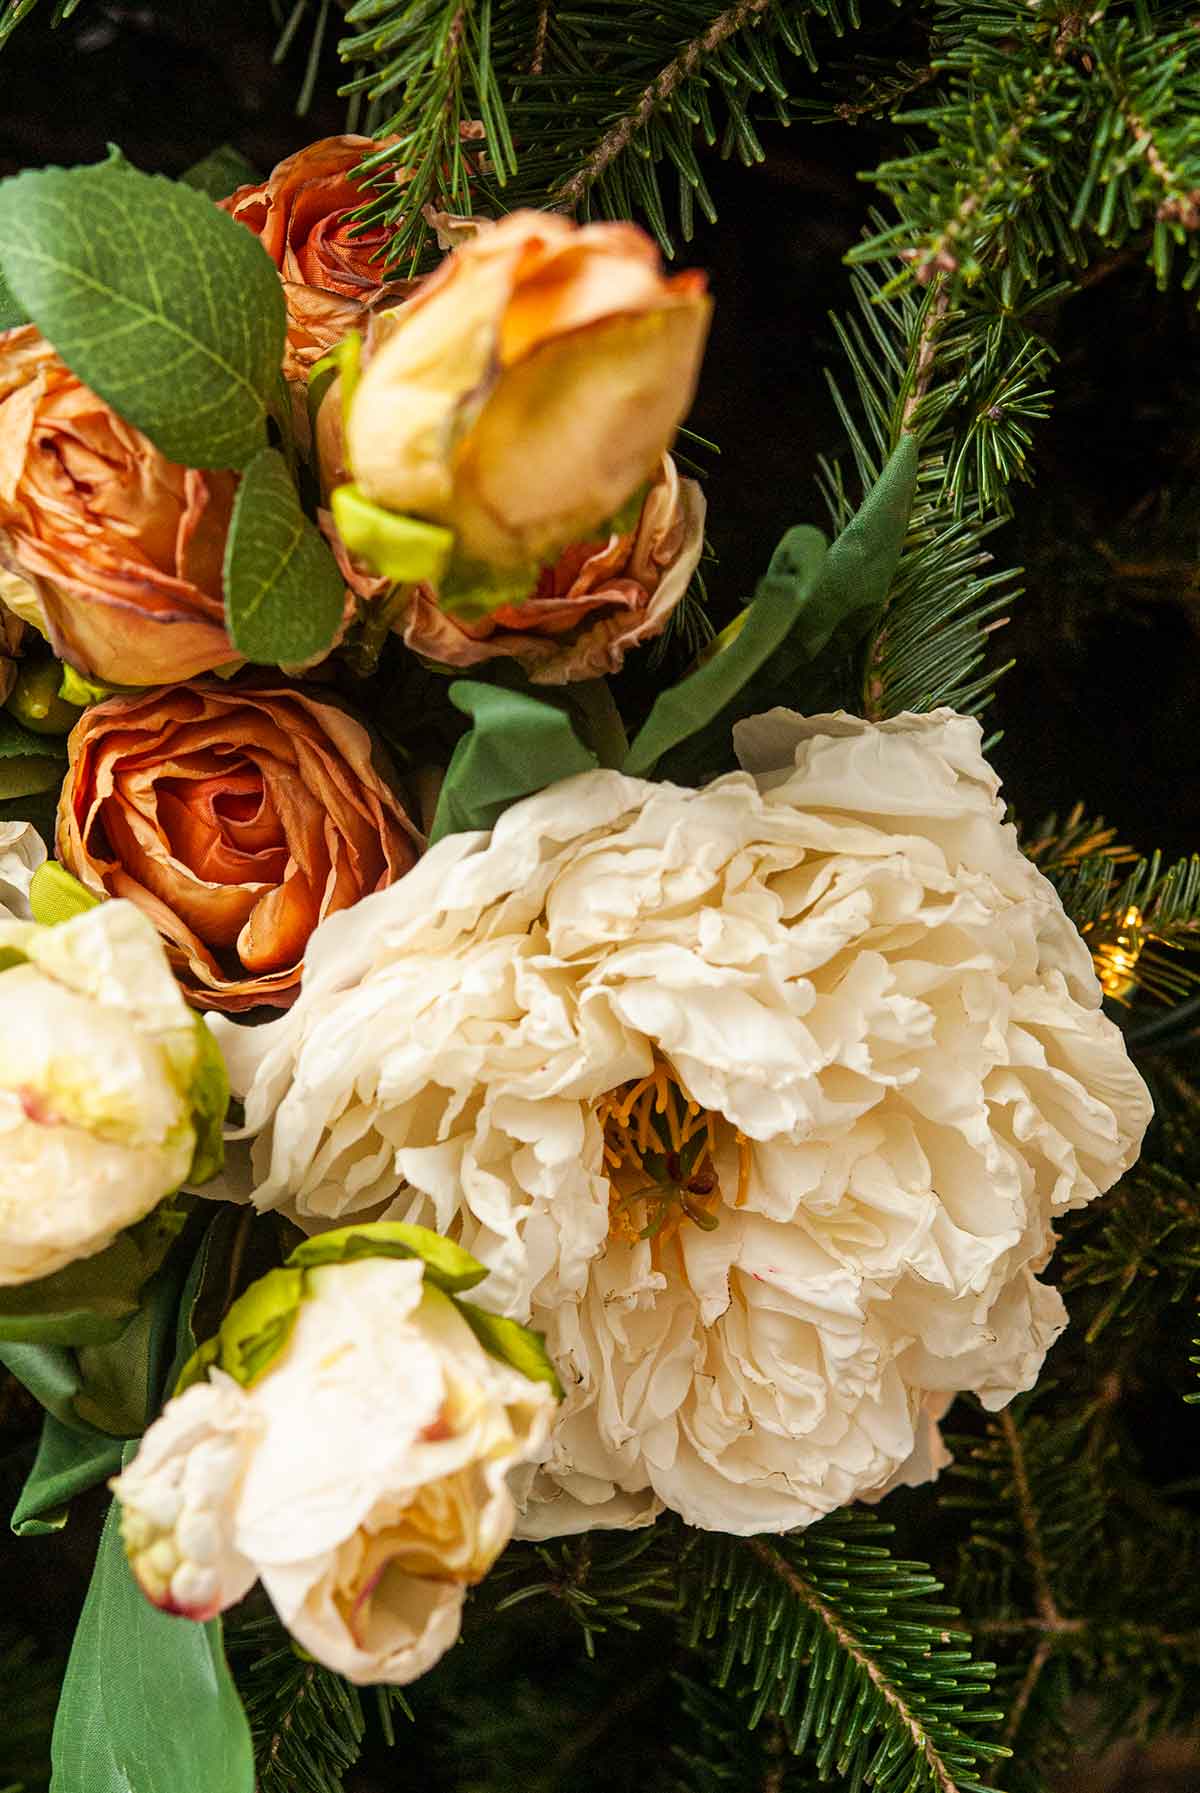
{"points": [[518, 745], [809, 611], [401, 548], [148, 1704], [220, 172], [447, 1265], [168, 308], [209, 1094], [56, 895], [284, 595], [513, 1343]]}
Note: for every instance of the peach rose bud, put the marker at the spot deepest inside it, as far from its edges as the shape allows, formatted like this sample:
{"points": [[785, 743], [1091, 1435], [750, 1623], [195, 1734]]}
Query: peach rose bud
{"points": [[237, 817], [113, 551], [528, 389], [332, 269]]}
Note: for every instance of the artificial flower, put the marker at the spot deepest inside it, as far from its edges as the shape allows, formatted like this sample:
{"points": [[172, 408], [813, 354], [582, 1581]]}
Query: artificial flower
{"points": [[361, 1477], [12, 633], [117, 552], [588, 608], [333, 270], [99, 1056], [526, 391], [236, 816], [759, 1100], [21, 852]]}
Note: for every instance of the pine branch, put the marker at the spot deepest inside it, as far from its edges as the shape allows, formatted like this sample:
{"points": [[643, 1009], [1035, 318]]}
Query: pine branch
{"points": [[888, 1699], [1140, 1254], [13, 12], [603, 1580], [442, 57], [307, 1723]]}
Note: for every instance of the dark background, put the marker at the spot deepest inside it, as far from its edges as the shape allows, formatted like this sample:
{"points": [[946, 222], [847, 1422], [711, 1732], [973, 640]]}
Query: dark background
{"points": [[1103, 702]]}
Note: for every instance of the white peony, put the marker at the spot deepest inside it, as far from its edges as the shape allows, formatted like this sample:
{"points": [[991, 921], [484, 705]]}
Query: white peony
{"points": [[98, 1052], [21, 852], [361, 1478], [759, 1100]]}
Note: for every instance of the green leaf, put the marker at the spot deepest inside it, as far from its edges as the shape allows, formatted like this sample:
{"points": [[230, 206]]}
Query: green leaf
{"points": [[518, 745], [808, 612], [148, 1704], [220, 172], [209, 1095], [11, 313], [710, 691], [91, 1301], [512, 1342], [284, 595], [56, 895], [68, 1463], [29, 763], [447, 1265], [401, 548], [168, 308]]}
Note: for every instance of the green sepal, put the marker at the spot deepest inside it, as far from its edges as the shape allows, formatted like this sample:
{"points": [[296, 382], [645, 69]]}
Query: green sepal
{"points": [[398, 547], [256, 1328], [513, 1343], [209, 1097], [447, 1265], [345, 360], [471, 590], [75, 688], [56, 895]]}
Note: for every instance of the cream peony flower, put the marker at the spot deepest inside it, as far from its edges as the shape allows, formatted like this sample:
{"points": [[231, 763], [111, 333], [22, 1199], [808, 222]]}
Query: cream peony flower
{"points": [[22, 850], [361, 1477], [759, 1100], [98, 1057]]}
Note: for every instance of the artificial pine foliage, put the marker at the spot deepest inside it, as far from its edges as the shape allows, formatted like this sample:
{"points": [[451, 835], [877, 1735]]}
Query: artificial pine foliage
{"points": [[1023, 160]]}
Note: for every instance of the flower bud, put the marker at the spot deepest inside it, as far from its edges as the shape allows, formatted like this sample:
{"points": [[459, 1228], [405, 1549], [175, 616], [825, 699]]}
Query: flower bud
{"points": [[359, 1471], [100, 1064], [528, 389]]}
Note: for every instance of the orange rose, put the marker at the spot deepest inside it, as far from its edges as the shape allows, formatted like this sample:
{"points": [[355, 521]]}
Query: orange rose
{"points": [[331, 269], [122, 549], [598, 600], [238, 817]]}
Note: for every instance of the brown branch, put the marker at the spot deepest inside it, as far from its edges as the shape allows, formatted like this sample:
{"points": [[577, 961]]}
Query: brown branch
{"points": [[541, 36], [1182, 203], [926, 349], [1027, 1512], [618, 137], [1032, 1676], [847, 1641]]}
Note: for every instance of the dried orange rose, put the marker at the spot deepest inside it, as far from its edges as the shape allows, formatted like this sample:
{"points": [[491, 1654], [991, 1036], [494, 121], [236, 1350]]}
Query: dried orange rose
{"points": [[526, 391], [598, 600], [237, 817], [331, 269], [121, 548]]}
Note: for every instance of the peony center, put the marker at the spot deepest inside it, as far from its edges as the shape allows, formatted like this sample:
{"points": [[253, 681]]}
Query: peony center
{"points": [[660, 1156]]}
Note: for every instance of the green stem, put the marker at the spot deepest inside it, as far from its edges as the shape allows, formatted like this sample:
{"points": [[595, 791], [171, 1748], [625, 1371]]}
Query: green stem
{"points": [[602, 722]]}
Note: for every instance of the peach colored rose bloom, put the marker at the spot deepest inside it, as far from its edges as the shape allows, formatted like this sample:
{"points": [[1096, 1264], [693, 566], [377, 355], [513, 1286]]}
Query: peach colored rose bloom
{"points": [[123, 548], [598, 600], [12, 631], [528, 388], [331, 272], [237, 817]]}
